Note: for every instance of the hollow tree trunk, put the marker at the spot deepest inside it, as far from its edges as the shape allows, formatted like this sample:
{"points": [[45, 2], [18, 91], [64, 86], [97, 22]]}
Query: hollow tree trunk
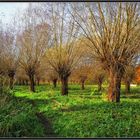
{"points": [[114, 87], [32, 83], [83, 85], [64, 88], [127, 87], [54, 83]]}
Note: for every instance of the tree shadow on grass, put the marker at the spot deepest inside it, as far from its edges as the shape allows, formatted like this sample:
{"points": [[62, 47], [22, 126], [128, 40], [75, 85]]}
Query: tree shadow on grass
{"points": [[74, 88], [131, 96], [33, 101], [76, 92], [87, 96], [104, 106], [133, 90]]}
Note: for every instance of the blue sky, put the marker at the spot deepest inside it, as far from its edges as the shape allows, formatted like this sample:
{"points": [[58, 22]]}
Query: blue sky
{"points": [[8, 9]]}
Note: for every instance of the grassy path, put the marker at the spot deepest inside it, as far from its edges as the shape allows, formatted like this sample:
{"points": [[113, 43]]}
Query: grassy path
{"points": [[45, 122]]}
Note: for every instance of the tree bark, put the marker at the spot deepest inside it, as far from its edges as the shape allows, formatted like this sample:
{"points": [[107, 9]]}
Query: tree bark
{"points": [[11, 82], [11, 74], [99, 86], [64, 88], [23, 82], [114, 87], [38, 82], [35, 82], [32, 83], [20, 82], [127, 87], [48, 82], [83, 85], [26, 82], [54, 83]]}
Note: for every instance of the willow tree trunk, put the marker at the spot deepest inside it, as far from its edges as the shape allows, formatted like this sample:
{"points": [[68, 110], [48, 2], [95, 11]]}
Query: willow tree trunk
{"points": [[99, 86], [23, 82], [26, 82], [127, 87], [48, 82], [54, 83], [64, 88], [11, 74], [20, 82], [32, 83], [11, 83], [38, 82], [114, 87], [83, 85]]}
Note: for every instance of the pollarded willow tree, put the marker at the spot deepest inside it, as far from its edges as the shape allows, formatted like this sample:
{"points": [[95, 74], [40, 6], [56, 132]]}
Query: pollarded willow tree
{"points": [[40, 73], [81, 74], [21, 77], [11, 58], [2, 51], [65, 52], [52, 76], [9, 53], [83, 70], [2, 58], [129, 77], [32, 42], [98, 75], [112, 31]]}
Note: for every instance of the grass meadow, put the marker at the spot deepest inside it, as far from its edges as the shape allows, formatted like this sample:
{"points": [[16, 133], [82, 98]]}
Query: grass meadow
{"points": [[83, 113]]}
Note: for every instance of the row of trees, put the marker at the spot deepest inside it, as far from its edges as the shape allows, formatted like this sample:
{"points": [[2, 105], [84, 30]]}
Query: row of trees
{"points": [[65, 39], [90, 74]]}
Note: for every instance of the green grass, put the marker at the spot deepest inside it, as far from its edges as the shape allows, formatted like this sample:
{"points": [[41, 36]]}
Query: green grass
{"points": [[84, 113], [17, 118]]}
